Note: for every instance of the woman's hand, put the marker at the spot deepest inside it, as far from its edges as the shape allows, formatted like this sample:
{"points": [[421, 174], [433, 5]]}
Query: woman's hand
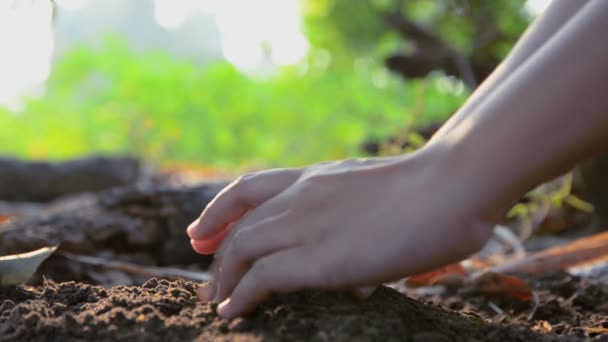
{"points": [[335, 225]]}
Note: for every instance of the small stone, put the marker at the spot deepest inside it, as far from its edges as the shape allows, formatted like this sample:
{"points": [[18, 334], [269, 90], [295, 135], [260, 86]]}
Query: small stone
{"points": [[176, 292], [151, 283]]}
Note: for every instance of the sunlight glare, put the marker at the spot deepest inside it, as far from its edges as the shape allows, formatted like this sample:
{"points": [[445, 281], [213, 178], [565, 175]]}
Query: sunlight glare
{"points": [[246, 26], [536, 7], [26, 39], [173, 14], [70, 5]]}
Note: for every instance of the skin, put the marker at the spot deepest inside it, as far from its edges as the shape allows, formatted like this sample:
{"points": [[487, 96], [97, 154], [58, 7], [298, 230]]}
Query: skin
{"points": [[358, 223]]}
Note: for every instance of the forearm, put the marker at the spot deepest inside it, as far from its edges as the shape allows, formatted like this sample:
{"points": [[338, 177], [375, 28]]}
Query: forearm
{"points": [[554, 17], [550, 114]]}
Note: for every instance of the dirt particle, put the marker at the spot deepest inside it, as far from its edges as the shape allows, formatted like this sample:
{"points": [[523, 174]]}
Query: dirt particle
{"points": [[176, 292], [150, 284], [224, 328], [31, 318], [7, 305]]}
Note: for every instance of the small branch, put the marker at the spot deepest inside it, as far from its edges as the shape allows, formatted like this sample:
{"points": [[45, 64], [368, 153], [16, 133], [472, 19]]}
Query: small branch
{"points": [[151, 271], [434, 49], [560, 258]]}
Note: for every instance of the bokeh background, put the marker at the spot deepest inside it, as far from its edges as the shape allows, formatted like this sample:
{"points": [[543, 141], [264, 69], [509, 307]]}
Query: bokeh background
{"points": [[236, 84]]}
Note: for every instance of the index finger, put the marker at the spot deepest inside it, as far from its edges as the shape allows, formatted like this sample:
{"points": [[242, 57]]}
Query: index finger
{"points": [[236, 199]]}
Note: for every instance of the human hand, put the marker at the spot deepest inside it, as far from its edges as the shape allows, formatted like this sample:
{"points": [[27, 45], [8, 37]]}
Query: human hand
{"points": [[238, 199], [334, 225]]}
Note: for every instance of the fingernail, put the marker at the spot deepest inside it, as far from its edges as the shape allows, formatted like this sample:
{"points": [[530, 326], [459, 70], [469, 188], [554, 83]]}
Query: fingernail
{"points": [[222, 309], [191, 227]]}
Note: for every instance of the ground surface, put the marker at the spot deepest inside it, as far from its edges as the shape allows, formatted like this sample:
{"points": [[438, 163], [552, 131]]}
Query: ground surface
{"points": [[146, 226], [168, 311]]}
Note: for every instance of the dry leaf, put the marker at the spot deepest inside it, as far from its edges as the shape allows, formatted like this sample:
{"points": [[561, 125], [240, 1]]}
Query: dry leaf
{"points": [[449, 275], [502, 285], [5, 218], [18, 268]]}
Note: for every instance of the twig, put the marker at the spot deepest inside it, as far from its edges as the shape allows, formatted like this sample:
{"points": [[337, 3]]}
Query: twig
{"points": [[505, 235], [535, 302], [559, 258], [166, 272], [496, 308]]}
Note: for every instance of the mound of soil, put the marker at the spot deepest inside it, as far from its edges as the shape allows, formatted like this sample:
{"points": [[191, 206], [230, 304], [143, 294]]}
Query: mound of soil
{"points": [[169, 311], [145, 225], [565, 304]]}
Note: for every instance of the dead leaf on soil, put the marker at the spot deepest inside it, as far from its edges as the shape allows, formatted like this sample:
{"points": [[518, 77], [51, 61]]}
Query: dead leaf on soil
{"points": [[503, 285], [19, 268], [450, 275], [5, 218]]}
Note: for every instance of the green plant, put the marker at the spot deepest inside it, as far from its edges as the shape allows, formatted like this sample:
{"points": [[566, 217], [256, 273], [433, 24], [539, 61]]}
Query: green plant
{"points": [[111, 99]]}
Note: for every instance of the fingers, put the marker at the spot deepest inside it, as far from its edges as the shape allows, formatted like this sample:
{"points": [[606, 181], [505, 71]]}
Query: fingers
{"points": [[284, 271], [270, 209], [241, 195], [251, 243], [210, 245]]}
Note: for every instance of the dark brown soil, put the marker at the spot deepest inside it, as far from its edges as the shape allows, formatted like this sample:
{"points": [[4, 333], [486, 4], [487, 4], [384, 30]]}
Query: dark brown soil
{"points": [[169, 311], [567, 305], [147, 226], [144, 225]]}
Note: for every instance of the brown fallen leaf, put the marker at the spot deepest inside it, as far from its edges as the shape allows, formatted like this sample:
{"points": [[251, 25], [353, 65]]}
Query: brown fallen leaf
{"points": [[449, 275], [503, 285], [5, 218]]}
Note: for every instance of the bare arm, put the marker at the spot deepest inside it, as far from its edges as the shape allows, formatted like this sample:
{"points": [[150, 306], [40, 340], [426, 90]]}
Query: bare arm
{"points": [[543, 28], [551, 113], [361, 223]]}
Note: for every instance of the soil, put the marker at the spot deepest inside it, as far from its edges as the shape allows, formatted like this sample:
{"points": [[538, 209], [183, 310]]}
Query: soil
{"points": [[70, 301], [169, 311], [144, 225], [566, 305]]}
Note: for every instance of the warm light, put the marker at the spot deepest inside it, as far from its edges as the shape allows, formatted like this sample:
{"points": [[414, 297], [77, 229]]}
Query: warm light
{"points": [[536, 7], [26, 41], [173, 14], [246, 28], [70, 5], [254, 34]]}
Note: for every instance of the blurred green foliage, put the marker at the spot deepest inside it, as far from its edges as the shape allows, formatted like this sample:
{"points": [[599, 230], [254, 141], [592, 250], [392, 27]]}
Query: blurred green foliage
{"points": [[151, 104], [350, 28], [108, 98]]}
